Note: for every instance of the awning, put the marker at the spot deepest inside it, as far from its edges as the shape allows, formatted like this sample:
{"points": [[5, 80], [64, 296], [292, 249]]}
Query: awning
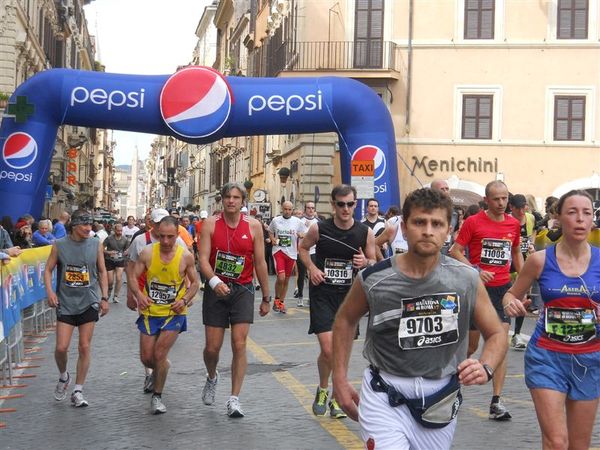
{"points": [[461, 197]]}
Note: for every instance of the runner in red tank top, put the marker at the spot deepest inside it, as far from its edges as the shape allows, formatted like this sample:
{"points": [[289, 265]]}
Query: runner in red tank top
{"points": [[231, 246]]}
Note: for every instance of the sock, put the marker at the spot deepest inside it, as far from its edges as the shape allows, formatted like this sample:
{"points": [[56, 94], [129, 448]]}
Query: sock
{"points": [[518, 324], [213, 379], [323, 389], [78, 387], [157, 394], [148, 370], [495, 399], [64, 376], [233, 397]]}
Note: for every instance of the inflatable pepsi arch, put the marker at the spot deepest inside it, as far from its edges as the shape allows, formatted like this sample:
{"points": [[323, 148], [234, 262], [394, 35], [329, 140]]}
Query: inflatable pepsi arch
{"points": [[197, 105]]}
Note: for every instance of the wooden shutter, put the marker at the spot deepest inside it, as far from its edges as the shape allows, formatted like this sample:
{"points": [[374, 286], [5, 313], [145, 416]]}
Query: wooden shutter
{"points": [[477, 115], [368, 34], [569, 118], [572, 19], [479, 19]]}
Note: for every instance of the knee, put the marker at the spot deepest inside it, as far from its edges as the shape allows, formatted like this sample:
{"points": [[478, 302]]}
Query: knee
{"points": [[238, 346], [211, 351], [556, 441], [326, 354], [147, 359], [84, 348], [61, 350]]}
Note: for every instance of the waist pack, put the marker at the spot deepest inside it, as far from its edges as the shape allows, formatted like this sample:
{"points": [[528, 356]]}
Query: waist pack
{"points": [[434, 411]]}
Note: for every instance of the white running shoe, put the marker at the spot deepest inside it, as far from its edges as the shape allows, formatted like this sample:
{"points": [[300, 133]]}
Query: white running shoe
{"points": [[209, 390], [157, 406], [300, 303], [234, 409], [60, 392], [77, 399]]}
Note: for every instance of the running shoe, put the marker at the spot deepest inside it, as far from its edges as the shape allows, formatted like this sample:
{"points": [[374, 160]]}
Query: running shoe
{"points": [[157, 406], [335, 411], [499, 412], [279, 306], [295, 293], [115, 299], [149, 384], [300, 302], [60, 392], [209, 390], [77, 399], [234, 409], [319, 406], [518, 343], [257, 287]]}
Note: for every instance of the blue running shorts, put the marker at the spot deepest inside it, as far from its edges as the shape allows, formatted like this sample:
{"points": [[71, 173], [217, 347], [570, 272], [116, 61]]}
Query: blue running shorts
{"points": [[577, 375], [153, 325]]}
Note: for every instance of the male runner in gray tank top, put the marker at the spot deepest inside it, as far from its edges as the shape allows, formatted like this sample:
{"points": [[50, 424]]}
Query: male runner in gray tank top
{"points": [[81, 276], [420, 306]]}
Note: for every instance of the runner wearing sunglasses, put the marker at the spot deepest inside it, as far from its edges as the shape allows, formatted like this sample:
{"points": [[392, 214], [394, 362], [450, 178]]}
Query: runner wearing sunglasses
{"points": [[343, 246]]}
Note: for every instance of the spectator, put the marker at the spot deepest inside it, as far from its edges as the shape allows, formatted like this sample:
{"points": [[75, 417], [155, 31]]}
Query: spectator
{"points": [[6, 243], [23, 237], [60, 230], [532, 208], [4, 257], [43, 235]]}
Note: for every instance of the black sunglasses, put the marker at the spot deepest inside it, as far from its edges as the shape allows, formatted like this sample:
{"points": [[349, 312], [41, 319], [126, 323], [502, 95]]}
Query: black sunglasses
{"points": [[342, 204]]}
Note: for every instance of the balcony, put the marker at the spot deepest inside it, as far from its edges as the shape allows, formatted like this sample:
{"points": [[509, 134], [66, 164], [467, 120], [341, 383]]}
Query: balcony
{"points": [[374, 59]]}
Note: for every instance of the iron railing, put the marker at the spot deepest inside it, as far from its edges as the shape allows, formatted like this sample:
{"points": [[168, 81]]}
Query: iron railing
{"points": [[327, 56]]}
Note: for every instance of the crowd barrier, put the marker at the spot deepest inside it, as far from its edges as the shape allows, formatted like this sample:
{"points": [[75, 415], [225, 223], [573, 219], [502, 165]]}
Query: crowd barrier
{"points": [[24, 308]]}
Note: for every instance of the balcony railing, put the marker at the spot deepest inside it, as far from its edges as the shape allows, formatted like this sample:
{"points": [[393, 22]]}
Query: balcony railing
{"points": [[329, 56]]}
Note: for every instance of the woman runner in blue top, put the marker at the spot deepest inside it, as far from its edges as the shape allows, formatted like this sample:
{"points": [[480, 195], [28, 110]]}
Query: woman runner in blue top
{"points": [[562, 363]]}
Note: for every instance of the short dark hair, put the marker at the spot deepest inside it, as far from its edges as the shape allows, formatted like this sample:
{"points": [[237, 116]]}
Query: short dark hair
{"points": [[372, 200], [169, 220], [342, 190], [561, 201], [428, 199]]}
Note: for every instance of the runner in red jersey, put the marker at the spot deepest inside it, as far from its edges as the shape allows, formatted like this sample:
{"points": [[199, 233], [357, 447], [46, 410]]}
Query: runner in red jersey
{"points": [[231, 247], [492, 239]]}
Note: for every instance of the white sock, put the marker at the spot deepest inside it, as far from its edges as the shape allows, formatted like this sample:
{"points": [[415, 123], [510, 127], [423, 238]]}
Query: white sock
{"points": [[233, 397], [64, 376], [78, 387]]}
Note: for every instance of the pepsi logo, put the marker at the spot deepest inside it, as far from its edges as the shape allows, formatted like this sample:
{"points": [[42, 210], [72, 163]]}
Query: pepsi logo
{"points": [[195, 102], [19, 151], [371, 152]]}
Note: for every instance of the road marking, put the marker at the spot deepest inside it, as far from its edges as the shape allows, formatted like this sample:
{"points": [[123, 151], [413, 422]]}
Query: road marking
{"points": [[478, 412], [336, 428], [279, 320]]}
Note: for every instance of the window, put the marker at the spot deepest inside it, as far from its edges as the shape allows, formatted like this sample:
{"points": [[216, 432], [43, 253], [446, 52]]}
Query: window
{"points": [[477, 116], [569, 118], [572, 19], [368, 34], [479, 19]]}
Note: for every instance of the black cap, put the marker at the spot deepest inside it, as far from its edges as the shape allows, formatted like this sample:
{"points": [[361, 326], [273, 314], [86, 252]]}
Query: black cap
{"points": [[518, 201]]}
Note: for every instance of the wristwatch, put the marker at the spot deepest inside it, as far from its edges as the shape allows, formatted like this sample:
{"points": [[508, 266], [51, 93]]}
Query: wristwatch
{"points": [[104, 298], [267, 299], [488, 371]]}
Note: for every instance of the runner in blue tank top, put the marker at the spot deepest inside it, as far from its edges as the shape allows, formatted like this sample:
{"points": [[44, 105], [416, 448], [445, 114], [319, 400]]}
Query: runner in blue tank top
{"points": [[562, 363]]}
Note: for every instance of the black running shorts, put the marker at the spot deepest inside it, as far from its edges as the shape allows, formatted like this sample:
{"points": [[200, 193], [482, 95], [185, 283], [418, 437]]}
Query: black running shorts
{"points": [[237, 307], [89, 315], [324, 304]]}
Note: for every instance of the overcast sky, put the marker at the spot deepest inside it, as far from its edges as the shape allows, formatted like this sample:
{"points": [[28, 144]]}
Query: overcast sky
{"points": [[146, 37]]}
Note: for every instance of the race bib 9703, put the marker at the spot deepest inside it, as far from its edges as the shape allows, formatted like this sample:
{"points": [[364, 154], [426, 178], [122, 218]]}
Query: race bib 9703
{"points": [[429, 321]]}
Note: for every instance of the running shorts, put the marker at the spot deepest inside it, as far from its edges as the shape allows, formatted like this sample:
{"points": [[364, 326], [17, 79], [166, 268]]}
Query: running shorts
{"points": [[324, 304], [283, 263], [237, 307], [89, 315], [153, 325]]}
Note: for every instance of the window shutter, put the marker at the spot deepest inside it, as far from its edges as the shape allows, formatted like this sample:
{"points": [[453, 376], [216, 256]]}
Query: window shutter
{"points": [[569, 118]]}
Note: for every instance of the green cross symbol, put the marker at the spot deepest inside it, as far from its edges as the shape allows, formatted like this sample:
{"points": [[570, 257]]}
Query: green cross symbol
{"points": [[21, 110]]}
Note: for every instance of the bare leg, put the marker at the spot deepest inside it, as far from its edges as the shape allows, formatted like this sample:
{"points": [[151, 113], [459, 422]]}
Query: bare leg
{"points": [[162, 346], [324, 359], [118, 280], [580, 422], [239, 362], [64, 332], [500, 372], [86, 332], [110, 274], [147, 350], [214, 341], [550, 410]]}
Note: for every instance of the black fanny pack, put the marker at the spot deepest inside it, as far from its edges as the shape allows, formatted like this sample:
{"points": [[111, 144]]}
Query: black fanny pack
{"points": [[434, 411]]}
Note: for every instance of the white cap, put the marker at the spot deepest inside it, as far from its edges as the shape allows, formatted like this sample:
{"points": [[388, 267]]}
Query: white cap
{"points": [[203, 214], [244, 210], [158, 214]]}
